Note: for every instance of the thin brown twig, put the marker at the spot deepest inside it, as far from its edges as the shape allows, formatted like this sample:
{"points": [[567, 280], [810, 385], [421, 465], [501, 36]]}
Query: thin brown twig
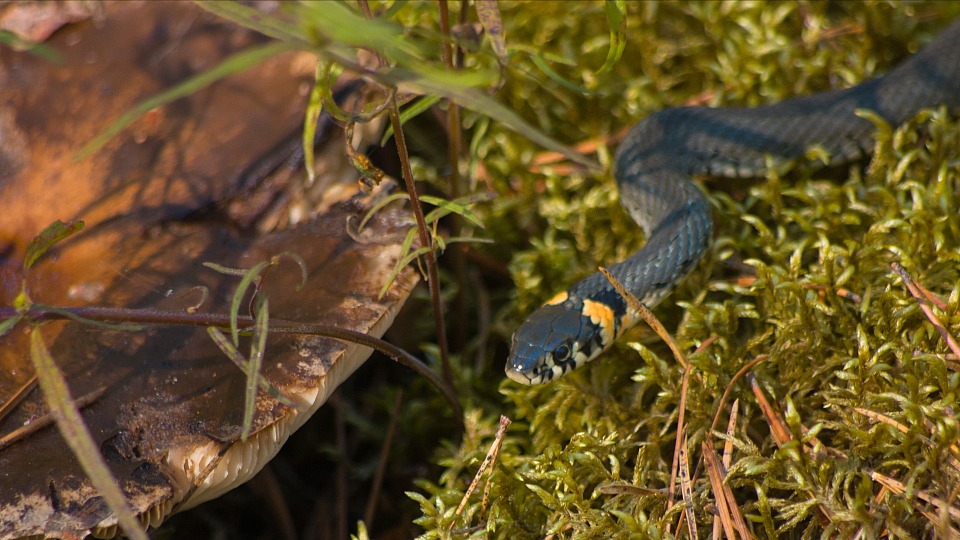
{"points": [[722, 491], [718, 527], [433, 272], [489, 462], [681, 427], [266, 485], [925, 298], [647, 316], [18, 396], [47, 420], [686, 488], [39, 312], [453, 156], [778, 427], [368, 513], [729, 389], [340, 482], [781, 432], [716, 484]]}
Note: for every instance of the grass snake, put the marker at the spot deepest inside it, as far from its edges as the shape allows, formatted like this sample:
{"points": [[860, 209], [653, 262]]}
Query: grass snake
{"points": [[654, 166]]}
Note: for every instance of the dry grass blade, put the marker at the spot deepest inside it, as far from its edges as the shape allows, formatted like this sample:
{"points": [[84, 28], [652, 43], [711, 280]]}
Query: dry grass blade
{"points": [[686, 489], [488, 463], [726, 393], [727, 455], [17, 398], [884, 419], [647, 316], [897, 487], [925, 298], [778, 426], [630, 489], [716, 484], [724, 495], [680, 429], [731, 426], [47, 419]]}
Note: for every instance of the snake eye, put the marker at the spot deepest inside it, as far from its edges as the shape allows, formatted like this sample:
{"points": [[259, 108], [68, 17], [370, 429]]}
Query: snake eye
{"points": [[561, 353]]}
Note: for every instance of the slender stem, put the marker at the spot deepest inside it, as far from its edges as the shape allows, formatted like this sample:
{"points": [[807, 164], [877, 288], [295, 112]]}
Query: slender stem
{"points": [[370, 511], [445, 47], [277, 326], [340, 436], [365, 9], [453, 151], [433, 273]]}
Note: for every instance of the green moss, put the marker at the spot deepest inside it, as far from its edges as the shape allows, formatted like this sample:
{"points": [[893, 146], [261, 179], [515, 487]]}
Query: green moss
{"points": [[829, 357]]}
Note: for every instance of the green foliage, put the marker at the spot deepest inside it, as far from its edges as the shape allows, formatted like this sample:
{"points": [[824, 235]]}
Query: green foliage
{"points": [[832, 360]]}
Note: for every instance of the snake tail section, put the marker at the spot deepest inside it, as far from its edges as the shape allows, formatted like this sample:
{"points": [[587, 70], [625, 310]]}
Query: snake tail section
{"points": [[654, 166]]}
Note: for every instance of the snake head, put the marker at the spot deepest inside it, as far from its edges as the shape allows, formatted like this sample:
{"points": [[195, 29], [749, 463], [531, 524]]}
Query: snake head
{"points": [[555, 339]]}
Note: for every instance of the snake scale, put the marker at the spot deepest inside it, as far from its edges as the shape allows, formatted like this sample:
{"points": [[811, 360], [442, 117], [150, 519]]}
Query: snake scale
{"points": [[654, 166]]}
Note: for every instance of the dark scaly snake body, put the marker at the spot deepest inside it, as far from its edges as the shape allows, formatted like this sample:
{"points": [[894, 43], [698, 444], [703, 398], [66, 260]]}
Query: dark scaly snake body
{"points": [[654, 168]]}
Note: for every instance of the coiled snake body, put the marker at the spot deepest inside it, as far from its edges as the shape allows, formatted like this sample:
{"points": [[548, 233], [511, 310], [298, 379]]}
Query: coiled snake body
{"points": [[654, 166]]}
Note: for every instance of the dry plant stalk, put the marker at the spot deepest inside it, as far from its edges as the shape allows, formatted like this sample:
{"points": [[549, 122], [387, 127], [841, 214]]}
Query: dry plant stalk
{"points": [[925, 298], [686, 489], [488, 463]]}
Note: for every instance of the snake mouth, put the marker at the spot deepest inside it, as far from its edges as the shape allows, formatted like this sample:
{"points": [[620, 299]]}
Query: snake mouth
{"points": [[520, 377]]}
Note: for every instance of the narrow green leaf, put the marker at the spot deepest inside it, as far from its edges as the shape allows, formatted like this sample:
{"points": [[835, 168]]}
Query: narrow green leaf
{"points": [[467, 240], [616, 17], [418, 107], [257, 347], [8, 324], [234, 64], [53, 233], [314, 108], [99, 324], [38, 49], [459, 206], [295, 257], [478, 101], [238, 360], [544, 67], [397, 268], [70, 423], [378, 206], [248, 279], [255, 19], [225, 269], [336, 22]]}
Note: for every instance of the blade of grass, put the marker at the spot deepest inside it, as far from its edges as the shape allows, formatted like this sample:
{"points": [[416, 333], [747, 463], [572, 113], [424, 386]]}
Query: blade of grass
{"points": [[459, 206], [248, 279], [8, 324], [686, 487], [257, 347], [254, 19], [418, 107], [39, 49], [234, 64], [50, 235], [238, 360], [78, 437], [616, 16], [314, 108]]}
